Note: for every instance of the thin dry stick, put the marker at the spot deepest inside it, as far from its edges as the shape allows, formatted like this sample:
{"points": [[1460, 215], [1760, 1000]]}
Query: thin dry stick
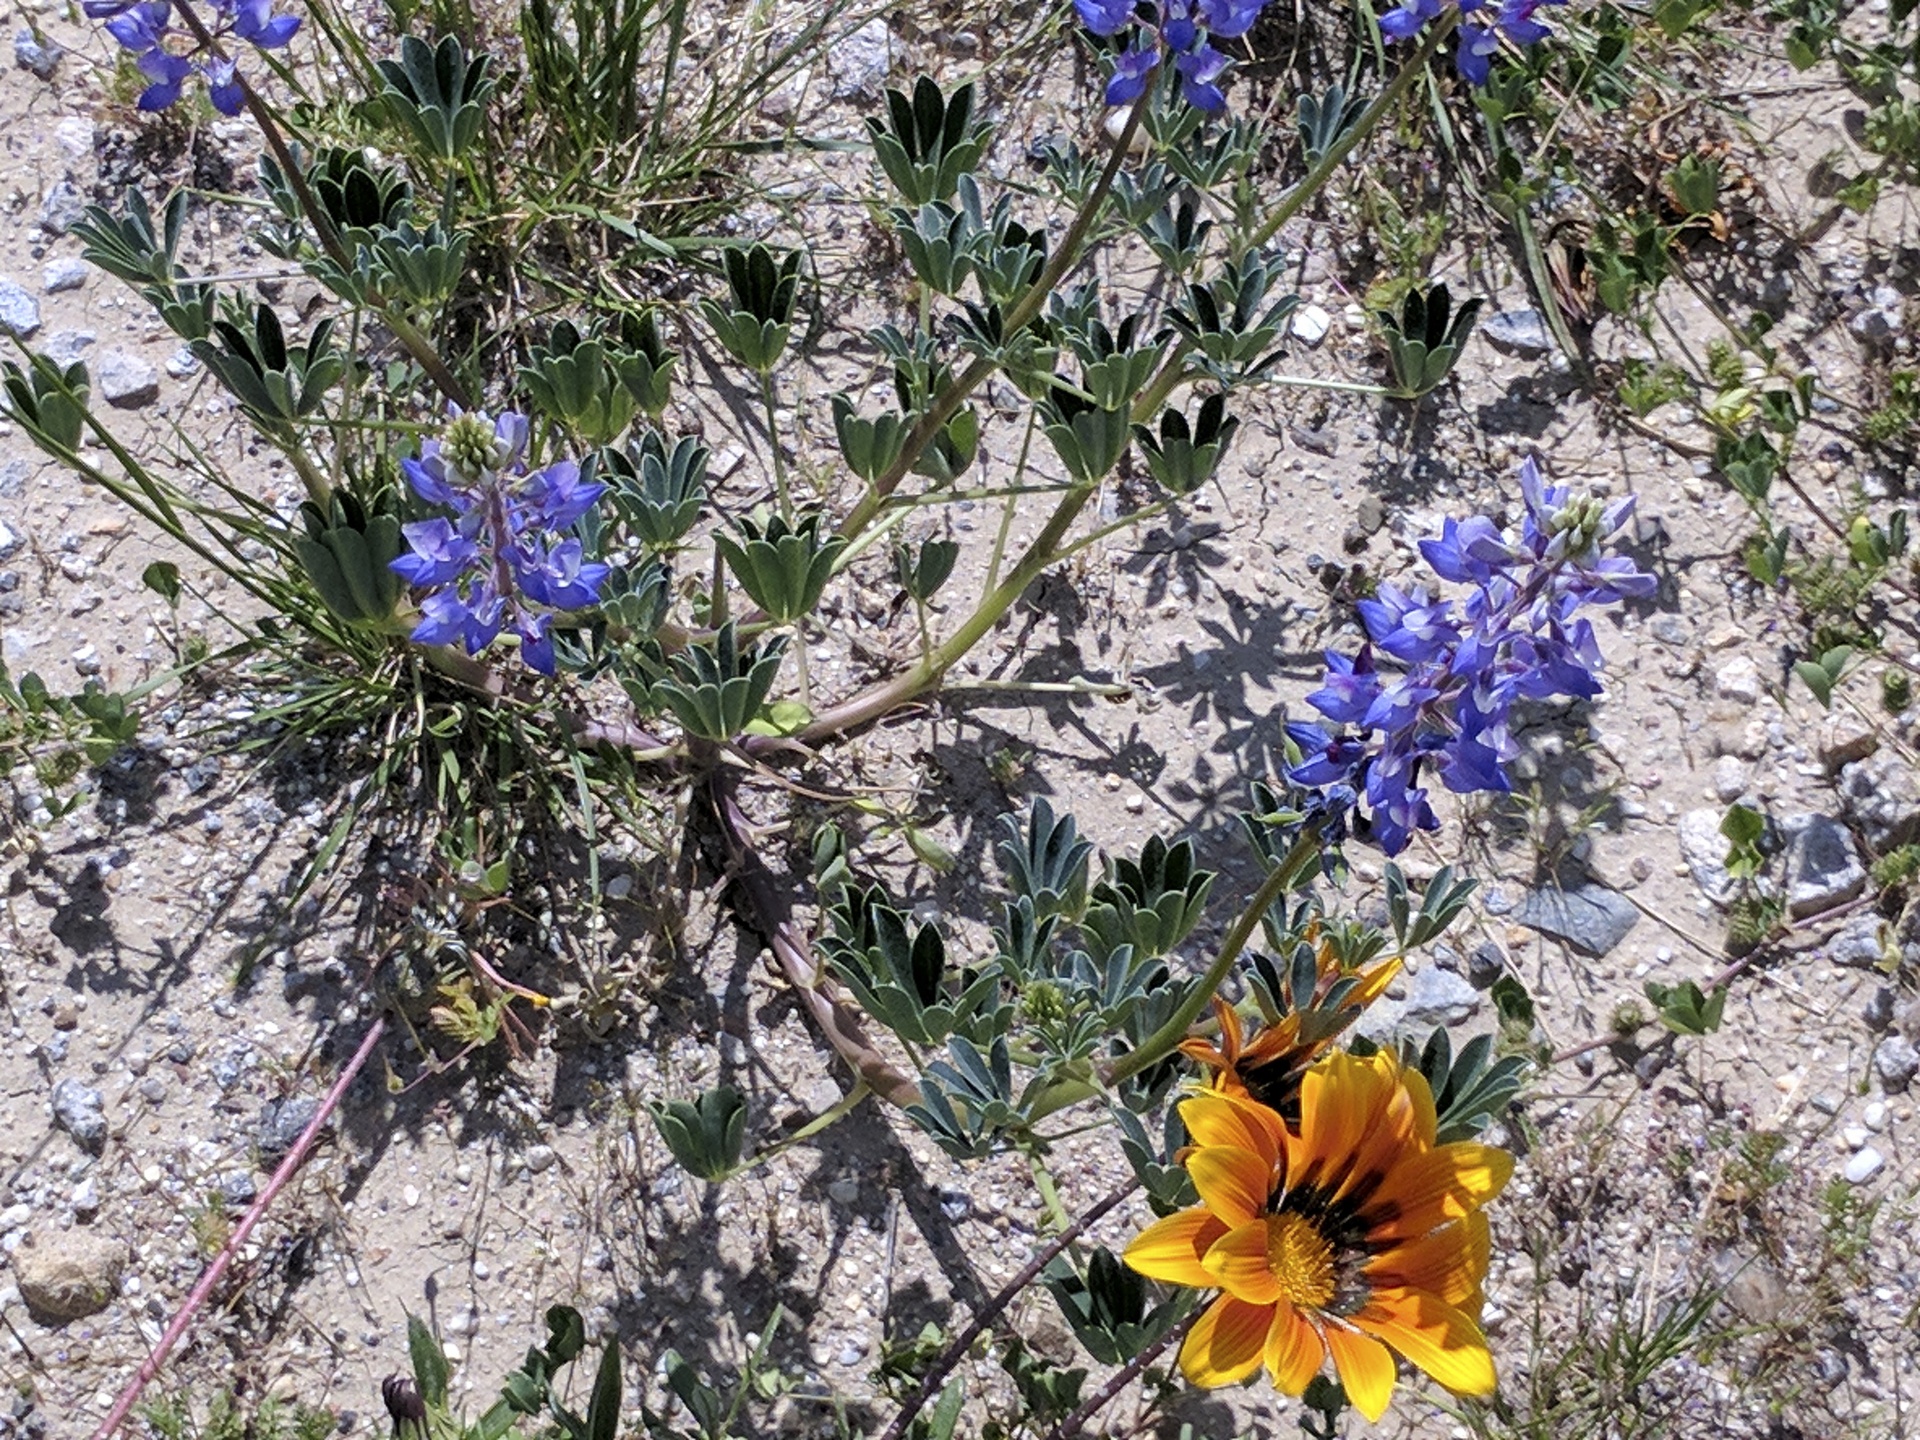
{"points": [[963, 1342], [177, 1328], [1119, 1381]]}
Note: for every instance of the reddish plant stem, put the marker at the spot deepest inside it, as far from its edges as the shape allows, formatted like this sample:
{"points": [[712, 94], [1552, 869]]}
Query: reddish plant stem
{"points": [[181, 1322], [963, 1342], [838, 1021], [1119, 1381]]}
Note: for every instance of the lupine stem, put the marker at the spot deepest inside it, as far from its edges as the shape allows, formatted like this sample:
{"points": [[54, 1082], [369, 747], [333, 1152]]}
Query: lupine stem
{"points": [[1310, 185], [404, 329], [1162, 1042], [927, 672], [950, 400]]}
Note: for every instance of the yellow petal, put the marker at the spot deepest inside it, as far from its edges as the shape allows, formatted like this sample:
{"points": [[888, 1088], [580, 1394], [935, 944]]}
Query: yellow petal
{"points": [[1294, 1351], [1432, 1334], [1431, 1189], [1366, 1369], [1450, 1262], [1341, 1099], [1171, 1249], [1225, 1343], [1238, 1264], [1233, 1183], [1224, 1117]]}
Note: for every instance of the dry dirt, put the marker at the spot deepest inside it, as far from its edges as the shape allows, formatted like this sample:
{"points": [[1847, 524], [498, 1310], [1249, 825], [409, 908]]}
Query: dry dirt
{"points": [[478, 1198]]}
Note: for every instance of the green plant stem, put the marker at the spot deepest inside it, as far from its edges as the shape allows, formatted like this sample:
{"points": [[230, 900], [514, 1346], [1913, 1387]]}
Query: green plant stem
{"points": [[1013, 493], [950, 400], [883, 697], [773, 442], [1310, 185], [404, 329], [1157, 1046], [1049, 1193], [832, 1115]]}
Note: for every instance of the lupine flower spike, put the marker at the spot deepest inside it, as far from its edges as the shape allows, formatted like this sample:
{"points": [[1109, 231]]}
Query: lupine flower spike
{"points": [[1444, 711], [1348, 1238], [1181, 32], [168, 58], [500, 563], [1483, 25]]}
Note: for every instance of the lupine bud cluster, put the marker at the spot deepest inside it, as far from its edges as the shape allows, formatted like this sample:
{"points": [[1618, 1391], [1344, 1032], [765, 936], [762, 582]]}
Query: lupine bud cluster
{"points": [[1180, 31], [1459, 667], [500, 564], [168, 58], [1483, 25]]}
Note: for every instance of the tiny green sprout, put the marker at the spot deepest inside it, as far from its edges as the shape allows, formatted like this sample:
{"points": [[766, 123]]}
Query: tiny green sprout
{"points": [[1008, 765], [1425, 340], [707, 1135], [922, 572], [1896, 691], [1628, 1018]]}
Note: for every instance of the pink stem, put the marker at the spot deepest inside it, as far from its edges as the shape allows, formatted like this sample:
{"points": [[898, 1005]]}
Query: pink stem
{"points": [[178, 1327]]}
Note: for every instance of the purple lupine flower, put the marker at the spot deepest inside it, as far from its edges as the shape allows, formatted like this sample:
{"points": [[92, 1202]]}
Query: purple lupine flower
{"points": [[1483, 25], [1515, 635], [168, 58], [1179, 32], [502, 563]]}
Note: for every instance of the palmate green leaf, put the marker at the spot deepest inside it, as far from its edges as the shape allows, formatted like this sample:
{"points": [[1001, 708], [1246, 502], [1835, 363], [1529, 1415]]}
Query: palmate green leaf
{"points": [[707, 1135], [928, 142], [437, 93], [48, 402], [1045, 860], [921, 573], [1184, 456], [785, 568]]}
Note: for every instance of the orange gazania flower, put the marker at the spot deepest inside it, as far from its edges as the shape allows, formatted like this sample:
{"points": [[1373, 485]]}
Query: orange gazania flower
{"points": [[1268, 1068], [1352, 1235]]}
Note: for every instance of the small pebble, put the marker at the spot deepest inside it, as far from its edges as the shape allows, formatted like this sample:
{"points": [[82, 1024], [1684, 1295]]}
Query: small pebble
{"points": [[1864, 1166]]}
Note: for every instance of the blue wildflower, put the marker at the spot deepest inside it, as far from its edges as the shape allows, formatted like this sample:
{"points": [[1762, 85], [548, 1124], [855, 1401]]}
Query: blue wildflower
{"points": [[1515, 635], [168, 58], [1483, 25], [1179, 32], [502, 563]]}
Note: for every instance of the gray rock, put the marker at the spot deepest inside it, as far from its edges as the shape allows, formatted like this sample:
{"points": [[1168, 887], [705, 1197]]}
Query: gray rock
{"points": [[539, 1158], [1704, 849], [182, 363], [1878, 1011], [78, 1110], [69, 1276], [1370, 514], [1858, 945], [126, 381], [844, 1191], [859, 62], [1823, 868], [1590, 918], [1880, 799], [13, 477], [1485, 964], [63, 208], [30, 54], [1863, 1165], [1896, 1062], [282, 1122], [19, 311], [237, 1189], [1519, 332], [1671, 630], [69, 272], [63, 347], [1439, 997]]}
